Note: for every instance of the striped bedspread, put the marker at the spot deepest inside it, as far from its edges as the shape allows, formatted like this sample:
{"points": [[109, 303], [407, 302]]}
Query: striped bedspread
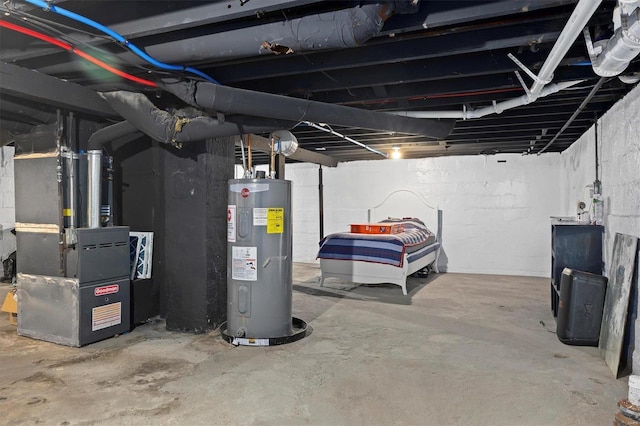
{"points": [[379, 248]]}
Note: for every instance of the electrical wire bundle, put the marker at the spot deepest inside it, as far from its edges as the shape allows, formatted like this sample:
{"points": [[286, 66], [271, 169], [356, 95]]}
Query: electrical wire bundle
{"points": [[69, 45]]}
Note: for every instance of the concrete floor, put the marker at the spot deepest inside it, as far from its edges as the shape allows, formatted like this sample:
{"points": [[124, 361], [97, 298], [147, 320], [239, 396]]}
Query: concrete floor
{"points": [[460, 349]]}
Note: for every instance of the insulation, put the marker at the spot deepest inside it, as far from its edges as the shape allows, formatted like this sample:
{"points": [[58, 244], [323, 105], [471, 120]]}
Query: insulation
{"points": [[331, 30], [229, 100], [185, 125]]}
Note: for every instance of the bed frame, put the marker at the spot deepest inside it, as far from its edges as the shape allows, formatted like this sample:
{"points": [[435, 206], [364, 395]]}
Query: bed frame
{"points": [[400, 203]]}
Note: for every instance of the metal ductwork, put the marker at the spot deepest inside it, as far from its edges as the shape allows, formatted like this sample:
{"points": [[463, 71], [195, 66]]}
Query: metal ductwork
{"points": [[109, 133], [229, 100], [187, 125], [37, 114], [14, 126], [611, 57], [331, 30]]}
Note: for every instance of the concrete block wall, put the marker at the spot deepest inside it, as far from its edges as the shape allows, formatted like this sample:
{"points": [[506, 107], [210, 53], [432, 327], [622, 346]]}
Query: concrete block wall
{"points": [[495, 208], [7, 202], [619, 154]]}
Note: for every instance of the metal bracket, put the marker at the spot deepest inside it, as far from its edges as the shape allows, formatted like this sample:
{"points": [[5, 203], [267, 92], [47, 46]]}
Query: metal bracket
{"points": [[522, 83], [71, 237], [528, 71], [495, 107], [591, 49]]}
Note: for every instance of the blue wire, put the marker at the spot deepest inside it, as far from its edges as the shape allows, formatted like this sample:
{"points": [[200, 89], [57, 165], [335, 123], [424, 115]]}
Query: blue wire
{"points": [[201, 74], [135, 49]]}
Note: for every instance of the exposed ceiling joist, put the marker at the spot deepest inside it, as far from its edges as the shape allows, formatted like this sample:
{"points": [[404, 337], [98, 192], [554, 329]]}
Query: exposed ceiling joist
{"points": [[33, 85], [446, 56], [437, 14]]}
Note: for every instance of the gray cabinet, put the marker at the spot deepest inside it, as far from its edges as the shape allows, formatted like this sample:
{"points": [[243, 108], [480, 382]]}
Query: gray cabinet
{"points": [[574, 246]]}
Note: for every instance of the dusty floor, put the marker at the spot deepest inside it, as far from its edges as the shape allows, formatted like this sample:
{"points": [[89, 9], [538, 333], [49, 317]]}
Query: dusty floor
{"points": [[460, 349]]}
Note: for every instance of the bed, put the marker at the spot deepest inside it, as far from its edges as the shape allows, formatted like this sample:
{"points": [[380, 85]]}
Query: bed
{"points": [[386, 258]]}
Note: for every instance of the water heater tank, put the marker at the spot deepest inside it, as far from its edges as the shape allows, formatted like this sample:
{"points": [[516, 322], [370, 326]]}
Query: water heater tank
{"points": [[259, 241]]}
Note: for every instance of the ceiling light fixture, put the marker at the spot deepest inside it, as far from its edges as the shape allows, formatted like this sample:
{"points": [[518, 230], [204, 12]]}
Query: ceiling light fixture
{"points": [[396, 154]]}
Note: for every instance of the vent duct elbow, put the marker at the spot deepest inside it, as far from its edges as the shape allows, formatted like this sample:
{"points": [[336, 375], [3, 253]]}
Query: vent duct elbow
{"points": [[110, 133], [188, 125], [611, 57]]}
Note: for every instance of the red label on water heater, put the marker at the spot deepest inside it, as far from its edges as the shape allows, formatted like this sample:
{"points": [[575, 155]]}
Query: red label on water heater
{"points": [[244, 192], [107, 289]]}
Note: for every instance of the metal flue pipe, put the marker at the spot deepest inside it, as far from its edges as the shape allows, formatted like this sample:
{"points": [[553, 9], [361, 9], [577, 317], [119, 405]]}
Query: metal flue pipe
{"points": [[94, 186]]}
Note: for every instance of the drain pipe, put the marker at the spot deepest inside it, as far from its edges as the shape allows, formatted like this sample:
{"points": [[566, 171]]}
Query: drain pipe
{"points": [[575, 114], [496, 108], [572, 29]]}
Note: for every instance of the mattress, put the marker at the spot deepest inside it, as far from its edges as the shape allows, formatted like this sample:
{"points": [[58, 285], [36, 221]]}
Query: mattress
{"points": [[389, 249]]}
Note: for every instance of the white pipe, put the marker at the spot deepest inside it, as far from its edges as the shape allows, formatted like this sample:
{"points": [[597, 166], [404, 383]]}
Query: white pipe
{"points": [[540, 88], [611, 57], [496, 108], [573, 28], [627, 6]]}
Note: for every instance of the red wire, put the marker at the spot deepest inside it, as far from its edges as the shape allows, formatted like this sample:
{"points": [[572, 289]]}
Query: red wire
{"points": [[122, 74], [36, 34], [459, 94], [78, 52]]}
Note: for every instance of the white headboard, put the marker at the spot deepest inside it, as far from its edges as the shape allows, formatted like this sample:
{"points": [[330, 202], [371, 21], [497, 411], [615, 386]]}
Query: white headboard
{"points": [[407, 203]]}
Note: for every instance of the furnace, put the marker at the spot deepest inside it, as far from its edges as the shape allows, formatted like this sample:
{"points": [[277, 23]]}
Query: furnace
{"points": [[73, 264]]}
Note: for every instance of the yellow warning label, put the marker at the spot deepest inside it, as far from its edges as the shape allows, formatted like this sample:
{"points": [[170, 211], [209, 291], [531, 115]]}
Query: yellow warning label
{"points": [[66, 212], [275, 220]]}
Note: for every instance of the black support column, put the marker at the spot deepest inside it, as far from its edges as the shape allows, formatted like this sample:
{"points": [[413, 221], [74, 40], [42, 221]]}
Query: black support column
{"points": [[195, 205]]}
